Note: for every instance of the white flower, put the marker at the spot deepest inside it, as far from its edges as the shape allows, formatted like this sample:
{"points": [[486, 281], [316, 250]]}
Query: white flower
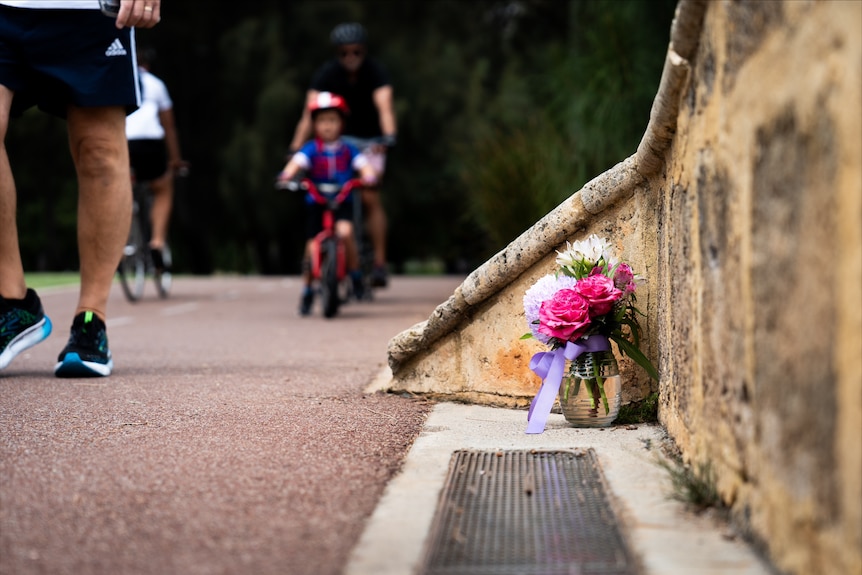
{"points": [[589, 251], [544, 289]]}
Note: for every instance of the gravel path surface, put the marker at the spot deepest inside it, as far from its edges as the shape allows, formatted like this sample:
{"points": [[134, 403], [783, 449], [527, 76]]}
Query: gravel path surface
{"points": [[233, 437]]}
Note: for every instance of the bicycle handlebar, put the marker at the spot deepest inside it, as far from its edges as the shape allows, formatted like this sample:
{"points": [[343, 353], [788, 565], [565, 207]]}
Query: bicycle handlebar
{"points": [[289, 185], [317, 191]]}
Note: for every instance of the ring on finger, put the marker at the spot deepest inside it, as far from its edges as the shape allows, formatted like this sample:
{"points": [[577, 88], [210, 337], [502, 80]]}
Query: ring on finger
{"points": [[148, 8]]}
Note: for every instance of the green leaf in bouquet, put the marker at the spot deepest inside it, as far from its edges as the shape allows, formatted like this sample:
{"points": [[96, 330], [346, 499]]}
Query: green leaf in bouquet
{"points": [[634, 330], [633, 352]]}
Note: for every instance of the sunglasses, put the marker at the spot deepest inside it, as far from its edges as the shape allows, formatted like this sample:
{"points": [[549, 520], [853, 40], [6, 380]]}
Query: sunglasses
{"points": [[354, 52]]}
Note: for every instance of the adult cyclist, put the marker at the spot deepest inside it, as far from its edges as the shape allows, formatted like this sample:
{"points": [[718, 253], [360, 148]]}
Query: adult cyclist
{"points": [[154, 153], [365, 85]]}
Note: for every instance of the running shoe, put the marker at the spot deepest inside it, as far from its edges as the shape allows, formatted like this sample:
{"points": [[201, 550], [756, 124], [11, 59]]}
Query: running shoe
{"points": [[87, 353], [23, 324]]}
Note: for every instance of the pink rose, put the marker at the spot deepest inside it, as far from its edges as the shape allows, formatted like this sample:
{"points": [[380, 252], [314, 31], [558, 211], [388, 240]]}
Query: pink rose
{"points": [[600, 292], [624, 279], [565, 316]]}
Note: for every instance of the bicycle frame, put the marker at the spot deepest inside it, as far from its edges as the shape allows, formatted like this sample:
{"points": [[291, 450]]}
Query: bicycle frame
{"points": [[330, 204], [328, 252]]}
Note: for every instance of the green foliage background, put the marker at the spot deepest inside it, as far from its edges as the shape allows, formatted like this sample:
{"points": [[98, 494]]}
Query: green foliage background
{"points": [[505, 108]]}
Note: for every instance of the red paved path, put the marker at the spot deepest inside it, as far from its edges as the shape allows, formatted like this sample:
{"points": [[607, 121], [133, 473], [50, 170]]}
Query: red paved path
{"points": [[233, 437]]}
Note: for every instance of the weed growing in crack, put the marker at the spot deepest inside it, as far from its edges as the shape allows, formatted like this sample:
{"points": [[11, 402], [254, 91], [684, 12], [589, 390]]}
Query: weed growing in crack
{"points": [[694, 486]]}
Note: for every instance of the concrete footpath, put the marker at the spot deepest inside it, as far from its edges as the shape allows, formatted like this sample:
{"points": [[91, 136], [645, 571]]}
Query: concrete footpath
{"points": [[665, 538]]}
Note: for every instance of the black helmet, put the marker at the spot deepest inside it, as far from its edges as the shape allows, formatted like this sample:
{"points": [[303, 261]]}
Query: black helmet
{"points": [[349, 33]]}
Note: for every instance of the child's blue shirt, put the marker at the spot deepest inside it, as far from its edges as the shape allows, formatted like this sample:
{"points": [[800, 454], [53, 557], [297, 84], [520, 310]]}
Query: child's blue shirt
{"points": [[332, 163]]}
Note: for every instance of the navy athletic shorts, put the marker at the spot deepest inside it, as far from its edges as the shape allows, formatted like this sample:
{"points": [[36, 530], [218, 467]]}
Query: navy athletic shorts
{"points": [[149, 159], [53, 58]]}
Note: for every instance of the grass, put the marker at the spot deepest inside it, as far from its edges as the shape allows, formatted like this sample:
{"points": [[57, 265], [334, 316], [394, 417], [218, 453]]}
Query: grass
{"points": [[694, 486], [52, 279], [425, 267], [644, 411]]}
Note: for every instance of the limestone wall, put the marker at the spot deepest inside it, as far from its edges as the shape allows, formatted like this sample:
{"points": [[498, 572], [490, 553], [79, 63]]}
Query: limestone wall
{"points": [[760, 330], [743, 208]]}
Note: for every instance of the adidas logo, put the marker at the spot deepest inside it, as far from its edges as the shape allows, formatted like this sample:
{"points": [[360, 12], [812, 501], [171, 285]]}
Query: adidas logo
{"points": [[116, 49]]}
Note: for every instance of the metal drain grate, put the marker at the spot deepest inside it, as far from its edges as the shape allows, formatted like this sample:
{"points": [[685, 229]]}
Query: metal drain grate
{"points": [[525, 513]]}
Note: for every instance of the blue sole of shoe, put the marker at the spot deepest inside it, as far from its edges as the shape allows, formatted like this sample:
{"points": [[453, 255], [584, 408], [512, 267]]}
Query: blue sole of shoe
{"points": [[73, 366], [27, 338]]}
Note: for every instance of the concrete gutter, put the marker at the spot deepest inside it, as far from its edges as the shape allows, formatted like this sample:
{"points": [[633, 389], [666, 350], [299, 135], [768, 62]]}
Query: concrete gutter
{"points": [[665, 537]]}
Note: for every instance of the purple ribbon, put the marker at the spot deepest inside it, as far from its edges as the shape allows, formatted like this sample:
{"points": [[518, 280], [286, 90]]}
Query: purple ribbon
{"points": [[550, 365]]}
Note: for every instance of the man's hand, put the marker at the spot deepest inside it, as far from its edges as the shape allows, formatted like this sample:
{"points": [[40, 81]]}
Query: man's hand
{"points": [[139, 13]]}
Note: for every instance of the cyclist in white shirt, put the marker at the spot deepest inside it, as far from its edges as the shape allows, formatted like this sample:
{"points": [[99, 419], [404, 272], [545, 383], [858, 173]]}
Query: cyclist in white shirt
{"points": [[154, 151], [70, 60]]}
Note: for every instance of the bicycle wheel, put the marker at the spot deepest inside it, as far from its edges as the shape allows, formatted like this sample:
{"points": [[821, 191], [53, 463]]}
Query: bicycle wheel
{"points": [[133, 266], [329, 297], [163, 278]]}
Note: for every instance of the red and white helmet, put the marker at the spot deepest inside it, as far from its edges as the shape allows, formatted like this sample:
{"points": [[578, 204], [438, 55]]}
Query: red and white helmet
{"points": [[328, 101]]}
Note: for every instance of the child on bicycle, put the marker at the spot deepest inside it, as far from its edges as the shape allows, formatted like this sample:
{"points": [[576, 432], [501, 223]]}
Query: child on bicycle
{"points": [[328, 159]]}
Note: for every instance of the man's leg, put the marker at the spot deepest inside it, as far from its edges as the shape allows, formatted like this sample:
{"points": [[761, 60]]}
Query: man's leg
{"points": [[375, 220], [23, 323], [12, 284], [160, 214], [97, 141]]}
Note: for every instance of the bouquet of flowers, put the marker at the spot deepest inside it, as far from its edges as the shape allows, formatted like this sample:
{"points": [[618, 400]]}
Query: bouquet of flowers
{"points": [[587, 302]]}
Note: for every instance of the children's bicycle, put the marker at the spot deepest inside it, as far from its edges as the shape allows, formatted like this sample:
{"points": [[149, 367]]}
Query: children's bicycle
{"points": [[137, 260], [328, 257]]}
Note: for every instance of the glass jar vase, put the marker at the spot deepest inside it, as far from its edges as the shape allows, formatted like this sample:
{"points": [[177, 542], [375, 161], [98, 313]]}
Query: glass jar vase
{"points": [[591, 390]]}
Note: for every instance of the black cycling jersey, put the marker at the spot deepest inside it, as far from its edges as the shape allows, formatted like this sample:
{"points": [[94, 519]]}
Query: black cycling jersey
{"points": [[363, 121]]}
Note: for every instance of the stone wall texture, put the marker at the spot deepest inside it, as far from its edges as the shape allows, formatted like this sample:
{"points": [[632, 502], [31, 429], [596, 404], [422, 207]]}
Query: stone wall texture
{"points": [[760, 261], [749, 232]]}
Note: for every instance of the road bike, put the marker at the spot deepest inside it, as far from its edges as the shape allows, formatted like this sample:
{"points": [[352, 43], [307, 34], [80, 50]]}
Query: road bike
{"points": [[137, 262], [328, 257]]}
